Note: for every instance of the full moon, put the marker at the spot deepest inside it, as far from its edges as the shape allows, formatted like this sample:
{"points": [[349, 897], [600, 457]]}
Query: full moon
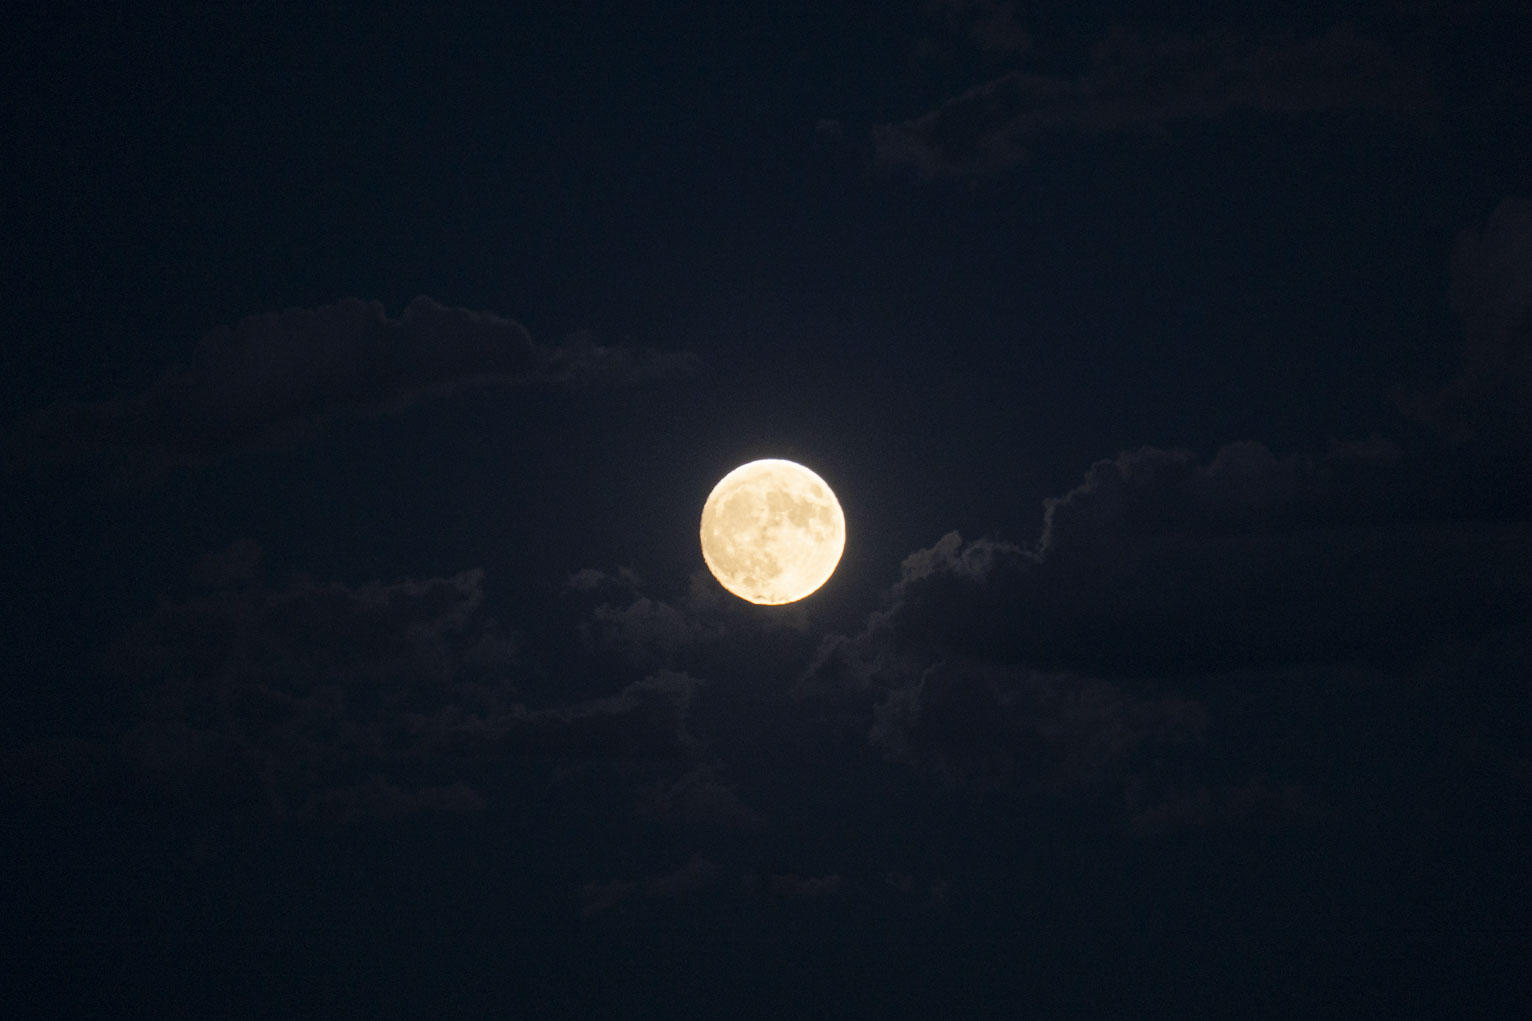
{"points": [[772, 532]]}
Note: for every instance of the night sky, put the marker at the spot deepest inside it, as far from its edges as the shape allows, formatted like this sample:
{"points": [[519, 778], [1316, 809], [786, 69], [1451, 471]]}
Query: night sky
{"points": [[364, 374]]}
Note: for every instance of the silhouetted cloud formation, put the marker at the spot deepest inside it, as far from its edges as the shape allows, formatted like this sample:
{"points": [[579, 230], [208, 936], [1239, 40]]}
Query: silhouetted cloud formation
{"points": [[1158, 565], [1136, 85], [274, 376], [646, 720], [700, 795], [646, 630], [697, 874], [1053, 733], [377, 799], [185, 772], [1257, 804], [792, 886], [991, 25], [298, 700], [1492, 293], [1056, 665], [308, 634]]}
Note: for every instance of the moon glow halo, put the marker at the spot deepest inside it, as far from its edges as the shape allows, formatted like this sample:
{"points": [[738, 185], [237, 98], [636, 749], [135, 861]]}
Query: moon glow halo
{"points": [[772, 532]]}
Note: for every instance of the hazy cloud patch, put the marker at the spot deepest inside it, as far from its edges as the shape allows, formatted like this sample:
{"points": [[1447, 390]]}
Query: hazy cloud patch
{"points": [[297, 699], [273, 377], [1051, 733], [647, 720], [378, 799], [791, 886], [1257, 805], [1098, 657], [696, 875], [1158, 565], [989, 25], [1135, 84], [702, 795], [1491, 398]]}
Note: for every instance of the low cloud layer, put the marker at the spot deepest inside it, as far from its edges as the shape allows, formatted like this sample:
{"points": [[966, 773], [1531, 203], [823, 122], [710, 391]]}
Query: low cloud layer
{"points": [[696, 875], [1156, 565], [1082, 661], [304, 700], [378, 799], [1052, 733], [647, 720], [700, 876], [701, 795]]}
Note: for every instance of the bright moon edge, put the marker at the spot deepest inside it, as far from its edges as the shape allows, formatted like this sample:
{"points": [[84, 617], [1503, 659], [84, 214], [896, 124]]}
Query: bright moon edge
{"points": [[768, 556]]}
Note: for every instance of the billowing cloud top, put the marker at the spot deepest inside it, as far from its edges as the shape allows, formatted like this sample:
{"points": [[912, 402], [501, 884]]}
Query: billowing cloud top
{"points": [[1060, 661]]}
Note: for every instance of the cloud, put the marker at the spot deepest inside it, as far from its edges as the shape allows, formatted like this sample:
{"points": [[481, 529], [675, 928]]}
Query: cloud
{"points": [[1491, 398], [298, 699], [199, 776], [226, 568], [289, 689], [1156, 565], [1256, 804], [377, 799], [647, 630], [1056, 733], [990, 25], [1138, 85], [599, 898], [1058, 664], [696, 875], [647, 720], [699, 796], [306, 634], [591, 579], [276, 376], [583, 363], [791, 886]]}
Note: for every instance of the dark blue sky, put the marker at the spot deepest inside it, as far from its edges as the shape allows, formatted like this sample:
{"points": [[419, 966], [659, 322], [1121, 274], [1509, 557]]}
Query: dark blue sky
{"points": [[364, 375]]}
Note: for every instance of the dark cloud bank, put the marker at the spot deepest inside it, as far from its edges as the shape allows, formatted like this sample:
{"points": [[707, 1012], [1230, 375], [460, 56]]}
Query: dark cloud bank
{"points": [[1491, 272], [1110, 661], [1067, 663], [305, 700], [1161, 581], [275, 376], [1136, 84], [1167, 586], [1232, 691], [1157, 565], [1115, 651]]}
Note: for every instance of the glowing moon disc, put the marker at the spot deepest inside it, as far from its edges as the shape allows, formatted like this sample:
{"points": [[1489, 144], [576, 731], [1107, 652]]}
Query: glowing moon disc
{"points": [[772, 532]]}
